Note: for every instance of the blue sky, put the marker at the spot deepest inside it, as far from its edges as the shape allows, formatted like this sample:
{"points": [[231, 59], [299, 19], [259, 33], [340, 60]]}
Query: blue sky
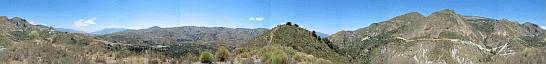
{"points": [[327, 16]]}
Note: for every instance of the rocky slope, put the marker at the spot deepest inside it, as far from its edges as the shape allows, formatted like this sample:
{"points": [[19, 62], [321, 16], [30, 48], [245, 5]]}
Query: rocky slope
{"points": [[444, 37]]}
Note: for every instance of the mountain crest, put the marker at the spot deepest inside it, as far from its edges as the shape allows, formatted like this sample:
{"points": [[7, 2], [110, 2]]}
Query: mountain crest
{"points": [[155, 27], [444, 12], [18, 21], [413, 16]]}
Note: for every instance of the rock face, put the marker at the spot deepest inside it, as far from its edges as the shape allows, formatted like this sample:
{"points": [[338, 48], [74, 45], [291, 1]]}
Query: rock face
{"points": [[444, 37]]}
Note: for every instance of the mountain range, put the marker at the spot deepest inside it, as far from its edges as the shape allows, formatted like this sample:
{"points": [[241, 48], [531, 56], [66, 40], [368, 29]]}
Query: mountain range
{"points": [[100, 32], [443, 37]]}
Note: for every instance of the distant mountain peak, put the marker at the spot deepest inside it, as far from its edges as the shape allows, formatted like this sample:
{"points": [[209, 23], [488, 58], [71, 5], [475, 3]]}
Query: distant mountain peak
{"points": [[18, 20], [109, 31], [155, 27], [447, 11], [443, 13], [69, 30], [15, 21]]}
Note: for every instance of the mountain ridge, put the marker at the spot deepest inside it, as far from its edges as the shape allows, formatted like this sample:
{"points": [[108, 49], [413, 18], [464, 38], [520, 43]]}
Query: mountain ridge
{"points": [[442, 37]]}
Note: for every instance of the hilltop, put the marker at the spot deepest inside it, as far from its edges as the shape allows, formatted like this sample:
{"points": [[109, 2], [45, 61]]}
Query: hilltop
{"points": [[296, 43]]}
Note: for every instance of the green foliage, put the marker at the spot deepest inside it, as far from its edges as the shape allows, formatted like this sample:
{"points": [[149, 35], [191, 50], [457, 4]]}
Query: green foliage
{"points": [[20, 35], [222, 54], [487, 27], [274, 55], [34, 34], [450, 35], [206, 57], [331, 45], [534, 41], [357, 47]]}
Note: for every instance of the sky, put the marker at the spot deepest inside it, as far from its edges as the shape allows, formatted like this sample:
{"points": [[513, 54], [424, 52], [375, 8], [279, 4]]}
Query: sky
{"points": [[326, 16]]}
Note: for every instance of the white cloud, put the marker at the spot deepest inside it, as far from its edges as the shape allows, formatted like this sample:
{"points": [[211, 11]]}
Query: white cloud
{"points": [[85, 22], [259, 18], [252, 19], [543, 27], [256, 18]]}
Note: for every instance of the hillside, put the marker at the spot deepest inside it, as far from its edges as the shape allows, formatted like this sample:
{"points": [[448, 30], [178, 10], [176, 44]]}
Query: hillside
{"points": [[444, 37], [24, 43], [296, 43], [186, 34]]}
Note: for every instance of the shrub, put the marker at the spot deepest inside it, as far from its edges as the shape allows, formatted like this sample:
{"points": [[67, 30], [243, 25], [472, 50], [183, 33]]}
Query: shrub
{"points": [[33, 34], [274, 55], [20, 35], [222, 54], [450, 35], [206, 57]]}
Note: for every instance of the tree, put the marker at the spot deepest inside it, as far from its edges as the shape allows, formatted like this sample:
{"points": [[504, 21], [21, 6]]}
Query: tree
{"points": [[296, 25], [222, 54], [315, 35], [289, 23], [206, 57]]}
